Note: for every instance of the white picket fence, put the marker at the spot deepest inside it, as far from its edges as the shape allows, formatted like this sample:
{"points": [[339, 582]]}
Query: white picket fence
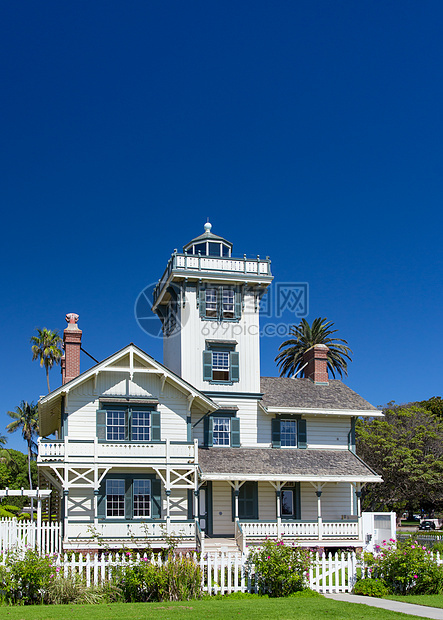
{"points": [[222, 573], [15, 534]]}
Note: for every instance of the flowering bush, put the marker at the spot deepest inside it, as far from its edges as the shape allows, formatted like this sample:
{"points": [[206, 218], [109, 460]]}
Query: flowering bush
{"points": [[406, 569], [25, 578], [280, 569]]}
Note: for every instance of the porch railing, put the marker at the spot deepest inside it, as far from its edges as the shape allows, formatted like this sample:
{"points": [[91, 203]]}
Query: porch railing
{"points": [[300, 529], [136, 534], [240, 537]]}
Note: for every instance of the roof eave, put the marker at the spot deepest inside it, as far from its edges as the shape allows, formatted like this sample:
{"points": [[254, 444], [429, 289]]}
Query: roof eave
{"points": [[322, 411]]}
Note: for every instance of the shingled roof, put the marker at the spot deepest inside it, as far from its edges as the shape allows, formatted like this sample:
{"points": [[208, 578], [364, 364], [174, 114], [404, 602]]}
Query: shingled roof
{"points": [[304, 394], [247, 463]]}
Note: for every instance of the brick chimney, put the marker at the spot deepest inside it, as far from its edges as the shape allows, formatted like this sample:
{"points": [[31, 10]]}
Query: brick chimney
{"points": [[317, 368], [72, 340]]}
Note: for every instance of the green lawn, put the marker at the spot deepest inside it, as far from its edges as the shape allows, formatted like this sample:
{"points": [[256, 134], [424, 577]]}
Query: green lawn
{"points": [[431, 600], [284, 609]]}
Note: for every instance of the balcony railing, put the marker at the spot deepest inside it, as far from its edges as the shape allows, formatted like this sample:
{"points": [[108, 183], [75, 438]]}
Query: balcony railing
{"points": [[188, 262], [74, 449]]}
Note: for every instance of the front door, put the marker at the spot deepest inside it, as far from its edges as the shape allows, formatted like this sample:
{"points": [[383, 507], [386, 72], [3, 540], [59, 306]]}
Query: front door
{"points": [[205, 509]]}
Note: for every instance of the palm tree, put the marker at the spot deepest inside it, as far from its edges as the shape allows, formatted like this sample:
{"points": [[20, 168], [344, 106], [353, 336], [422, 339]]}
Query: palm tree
{"points": [[46, 348], [25, 418], [290, 359]]}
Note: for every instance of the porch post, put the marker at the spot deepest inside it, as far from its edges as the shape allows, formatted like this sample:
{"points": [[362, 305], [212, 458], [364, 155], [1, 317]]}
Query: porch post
{"points": [[236, 494], [278, 495], [168, 489], [65, 516], [359, 517], [95, 507], [168, 516], [39, 521], [319, 517]]}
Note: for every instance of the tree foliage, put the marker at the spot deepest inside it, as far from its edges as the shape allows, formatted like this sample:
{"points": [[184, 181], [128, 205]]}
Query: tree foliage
{"points": [[46, 349], [406, 449], [14, 475], [25, 419], [290, 360]]}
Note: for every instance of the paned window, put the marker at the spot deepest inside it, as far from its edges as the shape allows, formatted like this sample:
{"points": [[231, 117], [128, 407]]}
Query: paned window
{"points": [[141, 427], [221, 363], [220, 366], [221, 431], [228, 304], [128, 423], [211, 302], [288, 433], [124, 496], [115, 426], [220, 303], [142, 498], [115, 498]]}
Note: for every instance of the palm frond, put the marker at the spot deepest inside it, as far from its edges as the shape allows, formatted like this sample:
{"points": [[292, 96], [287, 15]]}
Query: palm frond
{"points": [[290, 359]]}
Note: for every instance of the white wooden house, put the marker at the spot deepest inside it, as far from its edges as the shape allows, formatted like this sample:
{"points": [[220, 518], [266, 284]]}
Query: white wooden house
{"points": [[200, 447]]}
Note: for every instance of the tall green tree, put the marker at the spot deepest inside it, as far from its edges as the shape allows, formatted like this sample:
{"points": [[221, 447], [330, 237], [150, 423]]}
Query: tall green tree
{"points": [[290, 360], [406, 449], [25, 419], [46, 349], [5, 454]]}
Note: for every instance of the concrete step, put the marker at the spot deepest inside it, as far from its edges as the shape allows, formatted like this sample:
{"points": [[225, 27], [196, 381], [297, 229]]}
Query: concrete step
{"points": [[225, 545]]}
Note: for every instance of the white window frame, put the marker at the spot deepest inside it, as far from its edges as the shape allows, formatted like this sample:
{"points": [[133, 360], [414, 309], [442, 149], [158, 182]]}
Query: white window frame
{"points": [[120, 508], [145, 481], [283, 434], [217, 433]]}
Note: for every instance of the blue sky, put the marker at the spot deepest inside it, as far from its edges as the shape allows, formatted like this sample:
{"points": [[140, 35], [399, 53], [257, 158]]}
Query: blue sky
{"points": [[307, 131]]}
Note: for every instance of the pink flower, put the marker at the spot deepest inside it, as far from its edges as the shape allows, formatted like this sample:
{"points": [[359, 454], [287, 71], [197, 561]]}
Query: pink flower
{"points": [[269, 557], [415, 576]]}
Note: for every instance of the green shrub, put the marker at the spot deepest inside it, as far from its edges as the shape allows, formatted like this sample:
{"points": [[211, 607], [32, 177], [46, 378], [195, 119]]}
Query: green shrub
{"points": [[406, 569], [371, 587], [178, 580], [280, 569], [438, 546]]}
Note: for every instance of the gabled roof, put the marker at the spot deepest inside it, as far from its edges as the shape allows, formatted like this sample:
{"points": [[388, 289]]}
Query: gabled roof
{"points": [[284, 465], [304, 394], [50, 405]]}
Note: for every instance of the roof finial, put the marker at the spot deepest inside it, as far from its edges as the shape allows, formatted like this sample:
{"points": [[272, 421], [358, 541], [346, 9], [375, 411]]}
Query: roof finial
{"points": [[208, 226]]}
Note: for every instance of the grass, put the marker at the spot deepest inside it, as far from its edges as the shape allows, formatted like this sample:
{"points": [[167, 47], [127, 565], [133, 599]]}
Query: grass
{"points": [[430, 600], [254, 608]]}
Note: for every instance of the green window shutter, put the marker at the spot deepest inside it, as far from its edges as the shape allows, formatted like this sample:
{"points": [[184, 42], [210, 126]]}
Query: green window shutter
{"points": [[207, 365], [155, 426], [208, 431], [101, 423], [156, 499], [235, 433], [202, 302], [220, 304], [128, 498], [301, 434], [190, 504], [275, 429], [297, 501], [238, 300], [128, 425], [235, 370], [101, 508], [255, 503], [351, 443]]}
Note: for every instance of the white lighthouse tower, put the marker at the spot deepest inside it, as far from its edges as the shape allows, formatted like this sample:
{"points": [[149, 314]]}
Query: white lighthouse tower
{"points": [[208, 302]]}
